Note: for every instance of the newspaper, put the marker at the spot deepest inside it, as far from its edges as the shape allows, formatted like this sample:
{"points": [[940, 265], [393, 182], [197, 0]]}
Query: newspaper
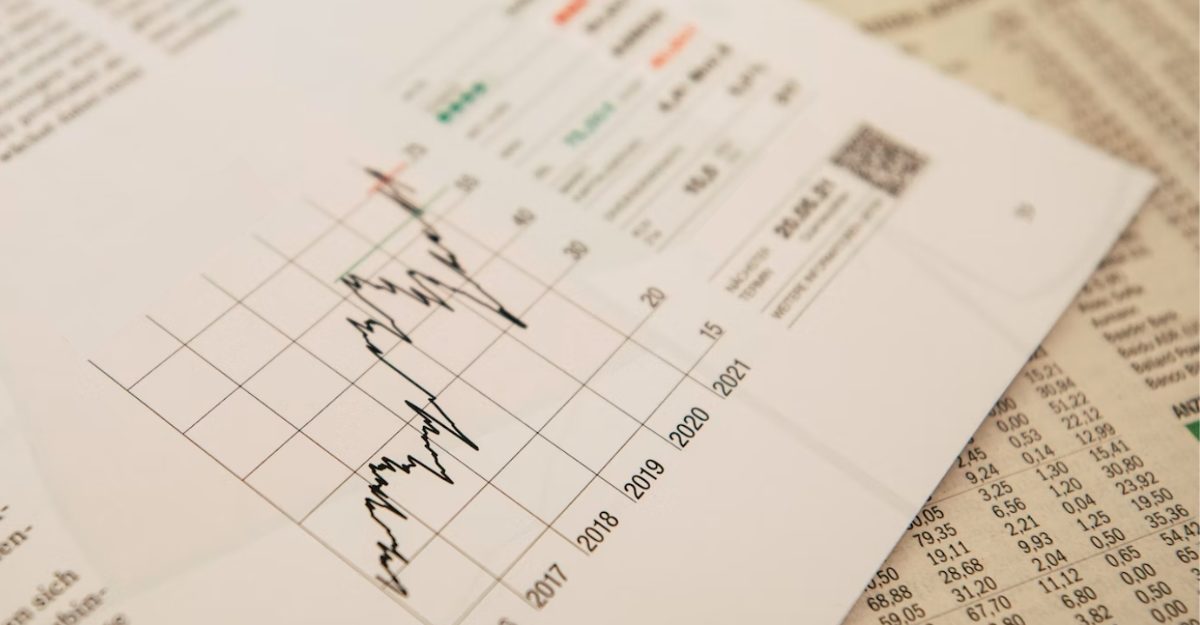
{"points": [[1076, 500]]}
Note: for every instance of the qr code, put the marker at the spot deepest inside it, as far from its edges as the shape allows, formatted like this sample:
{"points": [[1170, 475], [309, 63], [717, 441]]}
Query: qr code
{"points": [[880, 160]]}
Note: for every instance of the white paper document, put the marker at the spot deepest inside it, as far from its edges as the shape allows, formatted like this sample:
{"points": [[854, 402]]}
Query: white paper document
{"points": [[505, 312]]}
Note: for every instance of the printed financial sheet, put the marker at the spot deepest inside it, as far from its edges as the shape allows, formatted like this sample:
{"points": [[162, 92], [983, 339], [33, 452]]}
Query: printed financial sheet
{"points": [[525, 312]]}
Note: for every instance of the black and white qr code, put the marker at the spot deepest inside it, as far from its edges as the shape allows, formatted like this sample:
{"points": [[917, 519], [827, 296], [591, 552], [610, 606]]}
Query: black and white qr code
{"points": [[880, 160]]}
